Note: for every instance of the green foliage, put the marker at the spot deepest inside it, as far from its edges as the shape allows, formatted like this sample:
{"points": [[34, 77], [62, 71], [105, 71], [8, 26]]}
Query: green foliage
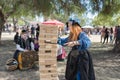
{"points": [[24, 7], [21, 22], [59, 8], [108, 15]]}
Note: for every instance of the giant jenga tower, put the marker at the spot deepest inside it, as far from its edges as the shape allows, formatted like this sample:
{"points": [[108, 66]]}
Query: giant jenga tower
{"points": [[48, 52]]}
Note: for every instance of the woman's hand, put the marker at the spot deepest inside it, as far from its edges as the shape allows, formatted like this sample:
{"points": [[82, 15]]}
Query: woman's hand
{"points": [[70, 44]]}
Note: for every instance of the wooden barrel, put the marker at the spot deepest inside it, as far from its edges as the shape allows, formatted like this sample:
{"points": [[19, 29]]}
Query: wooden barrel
{"points": [[26, 59]]}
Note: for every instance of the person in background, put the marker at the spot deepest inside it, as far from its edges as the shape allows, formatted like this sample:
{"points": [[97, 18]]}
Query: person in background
{"points": [[111, 34], [24, 44], [114, 33], [32, 32], [106, 36], [9, 28], [37, 31], [66, 28], [16, 37], [118, 35], [79, 63], [102, 33]]}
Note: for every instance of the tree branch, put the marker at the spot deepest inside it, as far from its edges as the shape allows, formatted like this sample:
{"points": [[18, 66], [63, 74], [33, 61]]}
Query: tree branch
{"points": [[13, 9], [2, 16]]}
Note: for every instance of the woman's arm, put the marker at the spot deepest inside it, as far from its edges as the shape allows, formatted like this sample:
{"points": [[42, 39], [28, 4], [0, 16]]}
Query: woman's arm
{"points": [[84, 41], [32, 46], [62, 41], [19, 48]]}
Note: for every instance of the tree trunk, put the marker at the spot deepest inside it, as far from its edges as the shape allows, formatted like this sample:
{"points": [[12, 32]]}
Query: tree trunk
{"points": [[1, 25], [2, 21], [14, 23], [0, 34]]}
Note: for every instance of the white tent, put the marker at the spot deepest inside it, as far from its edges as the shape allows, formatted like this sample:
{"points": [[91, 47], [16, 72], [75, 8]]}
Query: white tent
{"points": [[88, 27]]}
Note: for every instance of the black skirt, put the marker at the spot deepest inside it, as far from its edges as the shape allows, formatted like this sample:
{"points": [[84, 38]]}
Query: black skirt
{"points": [[79, 61]]}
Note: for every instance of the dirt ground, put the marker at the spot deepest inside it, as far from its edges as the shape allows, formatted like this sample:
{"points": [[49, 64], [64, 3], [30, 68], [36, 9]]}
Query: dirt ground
{"points": [[106, 63]]}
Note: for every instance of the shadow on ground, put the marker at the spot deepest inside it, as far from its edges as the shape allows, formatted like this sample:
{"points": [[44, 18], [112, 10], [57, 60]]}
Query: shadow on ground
{"points": [[106, 63]]}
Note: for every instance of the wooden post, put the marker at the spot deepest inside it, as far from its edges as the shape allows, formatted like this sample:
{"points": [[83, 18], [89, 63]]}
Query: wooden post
{"points": [[48, 52]]}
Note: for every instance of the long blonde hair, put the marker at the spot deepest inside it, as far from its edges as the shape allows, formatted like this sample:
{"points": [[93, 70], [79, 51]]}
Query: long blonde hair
{"points": [[75, 30]]}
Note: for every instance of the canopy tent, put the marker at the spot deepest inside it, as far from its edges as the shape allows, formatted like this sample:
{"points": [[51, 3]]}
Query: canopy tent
{"points": [[53, 22], [88, 27]]}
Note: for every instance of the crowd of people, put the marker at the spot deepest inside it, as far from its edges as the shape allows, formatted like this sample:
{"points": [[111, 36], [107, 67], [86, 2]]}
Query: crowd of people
{"points": [[108, 35], [26, 40], [111, 34]]}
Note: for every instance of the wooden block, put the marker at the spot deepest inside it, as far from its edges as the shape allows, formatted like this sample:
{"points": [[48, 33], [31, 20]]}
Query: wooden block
{"points": [[52, 56], [48, 38], [48, 75], [48, 70], [47, 56], [42, 36], [48, 43], [52, 34], [48, 46], [42, 31], [48, 60], [42, 42], [44, 78], [48, 66], [43, 50], [48, 50], [49, 31], [48, 27], [52, 27], [48, 79]]}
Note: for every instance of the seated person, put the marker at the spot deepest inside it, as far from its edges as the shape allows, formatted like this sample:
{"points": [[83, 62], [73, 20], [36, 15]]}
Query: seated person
{"points": [[24, 44]]}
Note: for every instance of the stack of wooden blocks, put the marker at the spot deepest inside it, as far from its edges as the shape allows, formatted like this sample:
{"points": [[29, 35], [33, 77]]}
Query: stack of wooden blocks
{"points": [[48, 52]]}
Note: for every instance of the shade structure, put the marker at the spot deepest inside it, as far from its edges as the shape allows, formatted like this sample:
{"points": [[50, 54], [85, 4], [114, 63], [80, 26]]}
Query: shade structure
{"points": [[88, 27], [53, 22]]}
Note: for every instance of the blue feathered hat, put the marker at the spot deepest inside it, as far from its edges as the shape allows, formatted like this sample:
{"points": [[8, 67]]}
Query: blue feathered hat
{"points": [[76, 20], [70, 19]]}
